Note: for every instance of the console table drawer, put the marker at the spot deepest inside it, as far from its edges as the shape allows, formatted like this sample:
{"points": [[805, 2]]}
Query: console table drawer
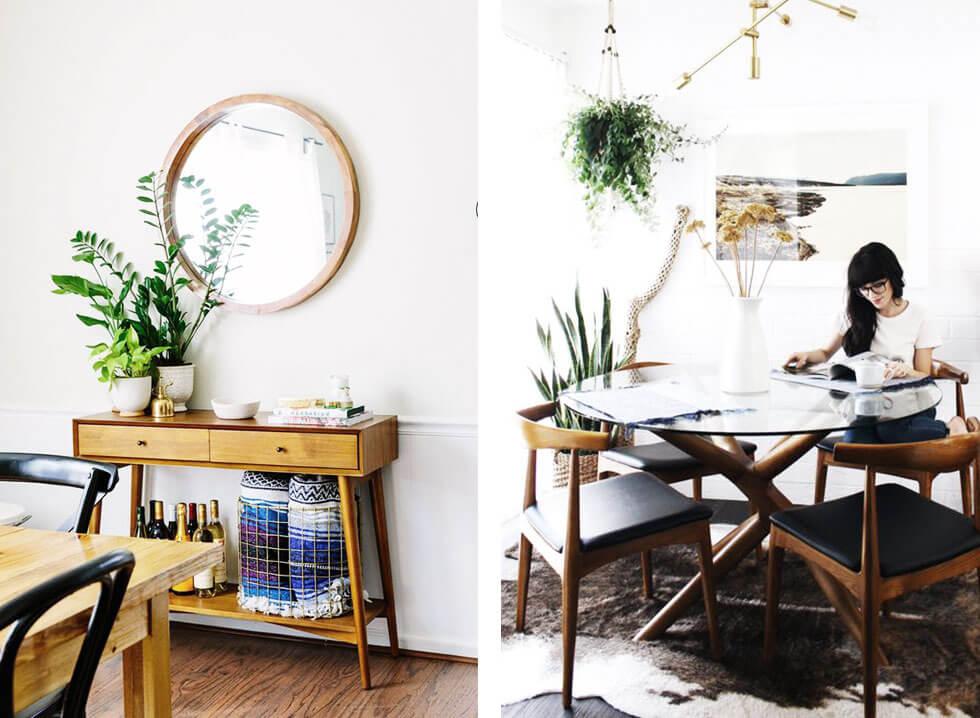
{"points": [[137, 442], [283, 448]]}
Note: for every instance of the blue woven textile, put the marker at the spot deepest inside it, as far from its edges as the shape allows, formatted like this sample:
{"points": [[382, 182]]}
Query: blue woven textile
{"points": [[318, 569], [264, 543]]}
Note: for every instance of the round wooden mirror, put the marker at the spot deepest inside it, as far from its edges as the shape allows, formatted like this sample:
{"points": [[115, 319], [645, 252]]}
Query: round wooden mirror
{"points": [[264, 202]]}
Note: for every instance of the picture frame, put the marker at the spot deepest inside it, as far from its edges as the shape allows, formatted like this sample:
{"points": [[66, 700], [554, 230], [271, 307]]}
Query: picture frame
{"points": [[847, 160]]}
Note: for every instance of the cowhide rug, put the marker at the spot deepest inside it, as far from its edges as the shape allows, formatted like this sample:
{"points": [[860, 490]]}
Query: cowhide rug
{"points": [[932, 638]]}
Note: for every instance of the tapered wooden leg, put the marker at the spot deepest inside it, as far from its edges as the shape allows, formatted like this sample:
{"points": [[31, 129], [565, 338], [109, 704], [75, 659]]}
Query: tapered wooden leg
{"points": [[870, 627], [646, 569], [965, 491], [708, 588], [352, 541], [523, 579], [925, 486], [95, 523], [384, 557], [146, 666], [773, 581], [569, 627], [135, 495], [820, 480], [696, 487]]}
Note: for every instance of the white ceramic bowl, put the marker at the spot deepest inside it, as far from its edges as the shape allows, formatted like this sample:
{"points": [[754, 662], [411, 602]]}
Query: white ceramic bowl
{"points": [[229, 409]]}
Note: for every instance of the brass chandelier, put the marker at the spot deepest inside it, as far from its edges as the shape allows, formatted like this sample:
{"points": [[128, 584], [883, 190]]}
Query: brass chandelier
{"points": [[752, 33]]}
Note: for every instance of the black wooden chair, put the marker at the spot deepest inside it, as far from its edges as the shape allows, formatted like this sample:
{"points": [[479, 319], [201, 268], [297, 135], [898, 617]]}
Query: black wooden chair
{"points": [[94, 479], [883, 543], [586, 527], [112, 571]]}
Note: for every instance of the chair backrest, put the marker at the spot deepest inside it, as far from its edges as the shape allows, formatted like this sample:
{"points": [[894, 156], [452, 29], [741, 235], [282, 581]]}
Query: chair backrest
{"points": [[936, 456], [94, 479], [112, 571], [541, 436], [942, 370]]}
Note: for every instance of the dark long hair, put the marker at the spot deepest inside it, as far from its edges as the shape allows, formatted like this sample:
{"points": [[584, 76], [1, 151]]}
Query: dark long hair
{"points": [[871, 263]]}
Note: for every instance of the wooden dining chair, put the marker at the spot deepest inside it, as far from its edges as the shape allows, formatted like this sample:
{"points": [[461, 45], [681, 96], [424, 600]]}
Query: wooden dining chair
{"points": [[883, 543], [94, 479], [112, 572], [825, 449], [670, 464], [584, 527]]}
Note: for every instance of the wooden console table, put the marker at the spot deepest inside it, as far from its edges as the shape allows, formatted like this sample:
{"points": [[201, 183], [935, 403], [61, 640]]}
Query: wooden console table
{"points": [[199, 438]]}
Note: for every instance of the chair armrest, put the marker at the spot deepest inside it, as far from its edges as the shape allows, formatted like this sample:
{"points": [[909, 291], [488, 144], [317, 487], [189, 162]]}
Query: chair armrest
{"points": [[944, 370]]}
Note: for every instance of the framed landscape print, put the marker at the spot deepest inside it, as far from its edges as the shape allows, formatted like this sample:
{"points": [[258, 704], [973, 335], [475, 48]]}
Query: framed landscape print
{"points": [[839, 178]]}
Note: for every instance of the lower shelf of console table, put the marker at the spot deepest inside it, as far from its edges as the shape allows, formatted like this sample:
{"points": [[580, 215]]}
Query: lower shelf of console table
{"points": [[225, 605]]}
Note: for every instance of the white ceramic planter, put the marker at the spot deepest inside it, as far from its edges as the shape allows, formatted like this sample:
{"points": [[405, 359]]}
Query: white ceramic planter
{"points": [[179, 381], [744, 360], [131, 396]]}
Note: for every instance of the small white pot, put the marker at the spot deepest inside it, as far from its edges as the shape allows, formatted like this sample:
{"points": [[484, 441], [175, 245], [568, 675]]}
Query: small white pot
{"points": [[744, 359], [131, 396], [179, 382]]}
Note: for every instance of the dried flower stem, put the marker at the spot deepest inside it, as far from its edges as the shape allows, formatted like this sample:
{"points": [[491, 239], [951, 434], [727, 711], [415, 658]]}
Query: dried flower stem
{"points": [[772, 259], [706, 247], [755, 249]]}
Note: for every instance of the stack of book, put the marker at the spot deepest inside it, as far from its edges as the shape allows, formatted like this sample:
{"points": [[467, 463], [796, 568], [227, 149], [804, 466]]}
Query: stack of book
{"points": [[319, 416]]}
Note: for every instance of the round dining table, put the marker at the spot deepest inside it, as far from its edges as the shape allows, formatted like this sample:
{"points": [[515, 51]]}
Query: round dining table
{"points": [[684, 406]]}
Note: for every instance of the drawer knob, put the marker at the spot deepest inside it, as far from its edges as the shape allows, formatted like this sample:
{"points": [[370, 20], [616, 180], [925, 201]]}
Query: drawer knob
{"points": [[140, 442], [280, 450]]}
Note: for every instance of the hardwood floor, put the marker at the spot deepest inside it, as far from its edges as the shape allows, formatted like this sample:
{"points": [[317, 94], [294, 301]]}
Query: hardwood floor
{"points": [[223, 674]]}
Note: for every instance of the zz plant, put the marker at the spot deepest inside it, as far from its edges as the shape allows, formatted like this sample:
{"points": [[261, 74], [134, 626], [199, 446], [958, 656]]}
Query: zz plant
{"points": [[615, 147]]}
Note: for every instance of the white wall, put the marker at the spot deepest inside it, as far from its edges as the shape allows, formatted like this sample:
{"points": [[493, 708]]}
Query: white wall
{"points": [[893, 54], [94, 94]]}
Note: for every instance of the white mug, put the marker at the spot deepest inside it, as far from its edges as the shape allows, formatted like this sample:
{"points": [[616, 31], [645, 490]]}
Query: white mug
{"points": [[869, 374]]}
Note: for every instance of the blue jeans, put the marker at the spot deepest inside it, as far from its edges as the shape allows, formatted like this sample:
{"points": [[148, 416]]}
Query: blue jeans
{"points": [[918, 427]]}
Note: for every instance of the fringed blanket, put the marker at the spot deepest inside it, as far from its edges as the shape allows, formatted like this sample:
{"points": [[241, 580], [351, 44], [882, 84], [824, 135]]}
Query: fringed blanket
{"points": [[317, 556], [264, 543]]}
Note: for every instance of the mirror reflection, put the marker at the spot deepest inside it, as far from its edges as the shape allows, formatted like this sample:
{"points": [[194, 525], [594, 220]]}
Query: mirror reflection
{"points": [[260, 201]]}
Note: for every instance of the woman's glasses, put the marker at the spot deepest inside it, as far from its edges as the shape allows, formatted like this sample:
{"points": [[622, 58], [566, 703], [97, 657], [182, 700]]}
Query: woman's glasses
{"points": [[877, 288]]}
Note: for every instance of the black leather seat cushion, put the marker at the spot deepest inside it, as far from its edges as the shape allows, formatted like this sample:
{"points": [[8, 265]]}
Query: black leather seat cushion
{"points": [[829, 442], [661, 456], [615, 510], [913, 532]]}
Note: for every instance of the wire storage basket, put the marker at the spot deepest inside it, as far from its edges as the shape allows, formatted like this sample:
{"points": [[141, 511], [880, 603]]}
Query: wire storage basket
{"points": [[293, 556]]}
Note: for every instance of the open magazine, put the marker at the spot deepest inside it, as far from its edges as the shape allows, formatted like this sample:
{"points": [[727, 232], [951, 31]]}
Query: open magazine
{"points": [[838, 375]]}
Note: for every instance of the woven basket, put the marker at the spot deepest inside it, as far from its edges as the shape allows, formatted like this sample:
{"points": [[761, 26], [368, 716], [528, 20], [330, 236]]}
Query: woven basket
{"points": [[588, 468]]}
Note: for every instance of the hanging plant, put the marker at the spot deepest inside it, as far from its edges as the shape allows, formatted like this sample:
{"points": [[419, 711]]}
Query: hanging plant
{"points": [[615, 147]]}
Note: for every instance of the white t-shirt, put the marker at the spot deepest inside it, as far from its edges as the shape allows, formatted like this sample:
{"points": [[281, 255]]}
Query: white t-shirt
{"points": [[898, 337]]}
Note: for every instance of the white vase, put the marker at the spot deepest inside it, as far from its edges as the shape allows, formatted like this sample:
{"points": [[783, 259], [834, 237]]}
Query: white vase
{"points": [[744, 360], [179, 382], [131, 396]]}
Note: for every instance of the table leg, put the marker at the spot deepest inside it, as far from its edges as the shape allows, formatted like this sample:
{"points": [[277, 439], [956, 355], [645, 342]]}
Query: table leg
{"points": [[352, 541], [384, 557], [135, 495], [755, 481], [146, 666]]}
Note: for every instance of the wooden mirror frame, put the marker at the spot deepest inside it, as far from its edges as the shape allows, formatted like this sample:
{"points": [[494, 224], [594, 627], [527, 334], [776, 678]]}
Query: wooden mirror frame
{"points": [[186, 142]]}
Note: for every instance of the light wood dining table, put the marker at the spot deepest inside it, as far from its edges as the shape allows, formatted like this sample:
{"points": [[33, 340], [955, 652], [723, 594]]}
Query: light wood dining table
{"points": [[141, 631]]}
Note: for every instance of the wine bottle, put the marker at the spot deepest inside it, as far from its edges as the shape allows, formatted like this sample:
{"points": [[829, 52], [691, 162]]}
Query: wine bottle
{"points": [[203, 581], [191, 519], [186, 586], [157, 528], [218, 533], [171, 522], [141, 523]]}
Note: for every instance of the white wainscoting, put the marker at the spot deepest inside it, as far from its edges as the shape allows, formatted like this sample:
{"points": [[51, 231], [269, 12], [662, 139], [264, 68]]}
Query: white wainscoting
{"points": [[431, 493]]}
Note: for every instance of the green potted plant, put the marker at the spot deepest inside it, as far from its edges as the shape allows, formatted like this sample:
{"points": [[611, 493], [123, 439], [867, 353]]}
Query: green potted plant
{"points": [[160, 318], [126, 365], [615, 146], [589, 351]]}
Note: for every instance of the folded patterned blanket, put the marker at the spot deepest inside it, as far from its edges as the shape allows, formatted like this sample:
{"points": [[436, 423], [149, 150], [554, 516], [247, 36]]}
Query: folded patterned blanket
{"points": [[264, 543], [318, 570]]}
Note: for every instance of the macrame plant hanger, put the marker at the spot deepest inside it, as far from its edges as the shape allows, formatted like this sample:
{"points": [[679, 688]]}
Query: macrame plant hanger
{"points": [[610, 73]]}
